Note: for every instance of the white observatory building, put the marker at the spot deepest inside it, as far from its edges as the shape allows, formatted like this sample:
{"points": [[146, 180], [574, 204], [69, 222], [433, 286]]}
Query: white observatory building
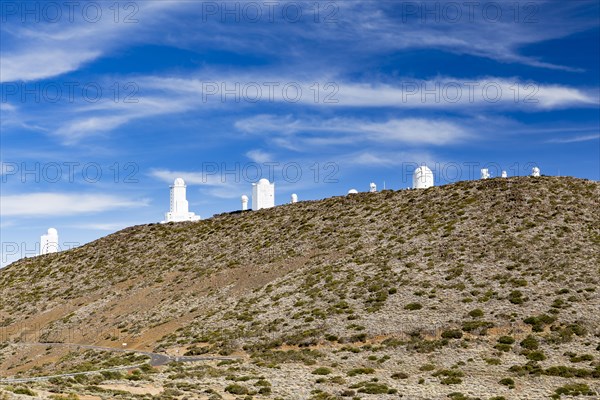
{"points": [[294, 198], [372, 187], [423, 178], [535, 172], [49, 242], [179, 208], [263, 195], [244, 203], [485, 173]]}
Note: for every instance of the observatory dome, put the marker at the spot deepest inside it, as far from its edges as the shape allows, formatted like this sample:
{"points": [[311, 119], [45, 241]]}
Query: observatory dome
{"points": [[352, 191], [264, 181], [422, 178], [179, 182], [52, 232], [244, 198]]}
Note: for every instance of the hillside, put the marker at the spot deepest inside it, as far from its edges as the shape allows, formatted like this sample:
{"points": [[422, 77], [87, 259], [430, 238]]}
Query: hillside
{"points": [[480, 288]]}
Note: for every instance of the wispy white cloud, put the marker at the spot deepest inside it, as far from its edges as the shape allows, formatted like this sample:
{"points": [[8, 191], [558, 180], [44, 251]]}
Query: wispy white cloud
{"points": [[80, 128], [464, 94], [95, 119], [43, 63], [45, 50], [170, 95], [401, 92], [212, 179], [41, 49], [7, 224], [387, 27], [575, 139], [63, 204], [379, 28], [7, 107], [259, 156], [386, 159], [207, 177], [412, 131]]}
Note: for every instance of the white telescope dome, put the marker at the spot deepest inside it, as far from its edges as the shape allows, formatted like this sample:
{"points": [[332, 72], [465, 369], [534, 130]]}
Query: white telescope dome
{"points": [[422, 178]]}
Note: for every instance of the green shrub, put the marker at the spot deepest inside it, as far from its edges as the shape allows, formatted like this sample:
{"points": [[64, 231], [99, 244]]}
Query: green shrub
{"points": [[452, 334], [508, 382], [471, 326], [503, 347], [265, 391], [506, 340], [400, 375], [493, 361], [575, 389], [449, 376], [237, 389], [360, 371], [375, 388], [516, 297], [538, 322], [321, 371], [530, 343], [536, 356], [413, 306], [476, 313], [427, 367], [582, 358], [23, 390]]}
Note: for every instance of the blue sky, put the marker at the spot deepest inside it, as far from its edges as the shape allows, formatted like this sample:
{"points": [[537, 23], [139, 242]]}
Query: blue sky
{"points": [[105, 103]]}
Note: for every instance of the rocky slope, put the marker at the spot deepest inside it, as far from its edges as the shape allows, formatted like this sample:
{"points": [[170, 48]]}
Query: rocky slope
{"points": [[475, 290]]}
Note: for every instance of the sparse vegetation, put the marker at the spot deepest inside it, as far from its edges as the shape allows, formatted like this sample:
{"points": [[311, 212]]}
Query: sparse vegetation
{"points": [[406, 291]]}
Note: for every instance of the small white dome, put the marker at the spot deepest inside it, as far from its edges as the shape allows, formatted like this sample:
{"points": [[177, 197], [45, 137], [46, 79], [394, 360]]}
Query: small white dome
{"points": [[423, 178], [179, 182], [244, 198], [352, 191], [52, 232], [264, 181]]}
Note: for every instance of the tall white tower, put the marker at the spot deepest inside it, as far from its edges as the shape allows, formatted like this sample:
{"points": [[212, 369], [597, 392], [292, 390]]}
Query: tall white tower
{"points": [[244, 203], [294, 198], [49, 242], [423, 178], [179, 208], [263, 195], [372, 187], [536, 172], [485, 173]]}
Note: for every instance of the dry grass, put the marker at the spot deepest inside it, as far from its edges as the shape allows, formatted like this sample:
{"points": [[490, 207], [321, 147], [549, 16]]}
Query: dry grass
{"points": [[441, 273]]}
